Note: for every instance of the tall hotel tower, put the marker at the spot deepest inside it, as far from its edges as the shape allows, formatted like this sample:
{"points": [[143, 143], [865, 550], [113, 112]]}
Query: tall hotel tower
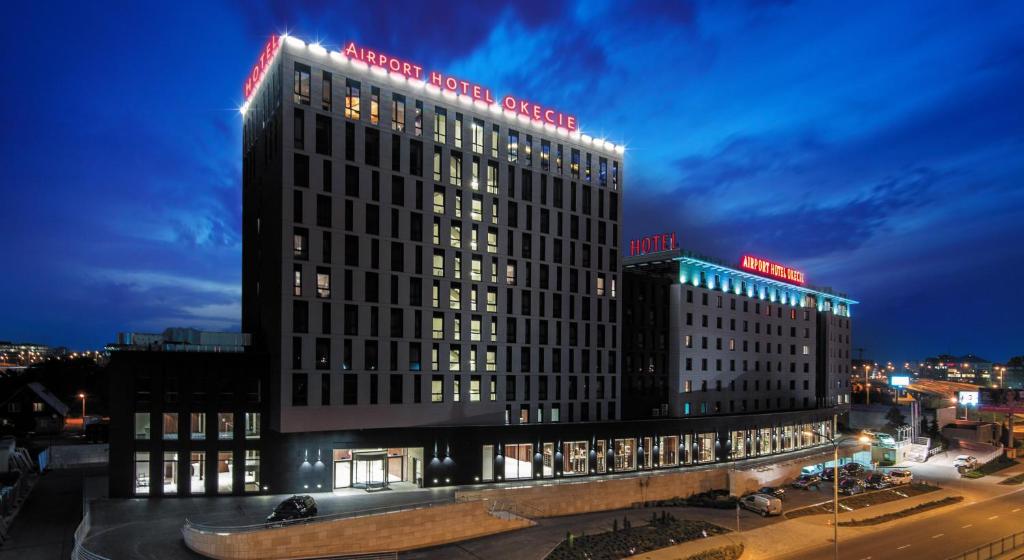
{"points": [[419, 255]]}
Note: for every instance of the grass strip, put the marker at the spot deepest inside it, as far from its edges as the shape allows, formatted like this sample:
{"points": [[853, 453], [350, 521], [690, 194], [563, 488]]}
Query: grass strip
{"points": [[995, 465], [919, 508], [1018, 479]]}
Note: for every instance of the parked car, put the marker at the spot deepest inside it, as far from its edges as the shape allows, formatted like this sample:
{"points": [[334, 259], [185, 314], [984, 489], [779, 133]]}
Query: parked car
{"points": [[296, 507], [807, 481], [901, 476], [762, 503], [852, 469], [811, 469], [877, 481], [777, 491], [829, 473], [965, 462], [851, 486]]}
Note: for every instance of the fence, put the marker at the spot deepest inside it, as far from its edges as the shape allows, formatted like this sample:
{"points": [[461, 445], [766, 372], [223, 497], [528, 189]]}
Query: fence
{"points": [[993, 549]]}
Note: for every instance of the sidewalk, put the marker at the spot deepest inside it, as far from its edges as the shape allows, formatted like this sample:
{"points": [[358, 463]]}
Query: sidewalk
{"points": [[45, 526]]}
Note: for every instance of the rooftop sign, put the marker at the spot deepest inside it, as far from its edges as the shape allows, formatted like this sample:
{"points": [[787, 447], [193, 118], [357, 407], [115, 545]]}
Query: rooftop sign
{"points": [[772, 269], [445, 82], [652, 244]]}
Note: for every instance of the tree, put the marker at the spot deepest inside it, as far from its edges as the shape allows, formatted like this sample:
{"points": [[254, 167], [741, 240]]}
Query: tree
{"points": [[895, 418]]}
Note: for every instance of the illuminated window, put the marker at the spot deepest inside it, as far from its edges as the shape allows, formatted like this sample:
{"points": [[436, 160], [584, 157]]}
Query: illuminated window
{"points": [[435, 294], [474, 328], [455, 238], [494, 211], [492, 240], [418, 119], [494, 140], [458, 130], [558, 159], [477, 269], [474, 388], [299, 244], [457, 327], [397, 112], [170, 425], [374, 105], [300, 85], [602, 172], [252, 470], [438, 262], [454, 359], [437, 389], [528, 151], [510, 273], [492, 299], [458, 204], [545, 155], [437, 326], [252, 425], [351, 99], [436, 234], [613, 287], [574, 164], [439, 199], [494, 323], [474, 173], [440, 125], [513, 146], [477, 133], [492, 393], [455, 296], [297, 280], [492, 177], [323, 283], [477, 209], [225, 425], [474, 236], [141, 473], [435, 357], [458, 266], [455, 169], [225, 472], [586, 169], [600, 284]]}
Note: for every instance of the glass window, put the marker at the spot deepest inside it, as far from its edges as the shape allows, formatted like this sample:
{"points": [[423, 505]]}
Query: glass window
{"points": [[197, 472], [766, 441], [252, 470], [625, 454], [518, 461], [668, 451], [440, 125], [225, 425], [706, 447], [300, 84], [513, 146], [477, 131], [170, 425], [418, 120], [601, 450], [738, 444], [397, 112], [141, 473], [455, 169], [325, 94], [170, 470], [575, 458], [458, 130], [474, 388], [252, 425], [225, 470], [374, 105], [437, 389], [197, 421], [352, 99], [323, 282], [142, 428]]}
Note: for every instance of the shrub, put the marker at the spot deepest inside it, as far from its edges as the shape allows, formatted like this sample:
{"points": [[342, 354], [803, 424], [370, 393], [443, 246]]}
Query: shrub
{"points": [[728, 552]]}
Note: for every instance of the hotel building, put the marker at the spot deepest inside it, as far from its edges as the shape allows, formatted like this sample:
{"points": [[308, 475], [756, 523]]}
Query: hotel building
{"points": [[432, 280]]}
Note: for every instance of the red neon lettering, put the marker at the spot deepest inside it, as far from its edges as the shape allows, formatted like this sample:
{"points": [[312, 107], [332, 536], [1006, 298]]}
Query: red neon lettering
{"points": [[524, 108], [570, 123], [509, 102], [396, 65], [634, 246], [451, 84], [260, 67], [371, 57], [773, 269], [350, 50], [548, 116], [476, 91], [645, 245], [435, 79]]}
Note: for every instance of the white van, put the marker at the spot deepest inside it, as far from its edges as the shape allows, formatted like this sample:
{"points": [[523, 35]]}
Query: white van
{"points": [[901, 476], [762, 503]]}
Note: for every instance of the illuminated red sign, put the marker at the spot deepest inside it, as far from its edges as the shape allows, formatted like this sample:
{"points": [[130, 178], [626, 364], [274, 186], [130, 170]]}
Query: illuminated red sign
{"points": [[261, 66], [447, 82], [652, 244], [769, 268]]}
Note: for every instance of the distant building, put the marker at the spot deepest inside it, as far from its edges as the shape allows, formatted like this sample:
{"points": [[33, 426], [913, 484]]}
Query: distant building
{"points": [[32, 408], [961, 369], [178, 339], [15, 354]]}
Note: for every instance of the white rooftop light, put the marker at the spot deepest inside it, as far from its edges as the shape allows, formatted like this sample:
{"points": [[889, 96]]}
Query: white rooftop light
{"points": [[294, 42], [448, 94], [338, 57], [575, 135], [432, 89], [586, 138], [397, 78], [620, 149], [359, 65], [378, 71], [480, 104], [496, 108], [317, 49], [416, 84], [465, 100], [562, 131]]}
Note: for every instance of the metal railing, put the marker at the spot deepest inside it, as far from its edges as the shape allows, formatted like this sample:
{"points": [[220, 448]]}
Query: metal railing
{"points": [[993, 549], [210, 528]]}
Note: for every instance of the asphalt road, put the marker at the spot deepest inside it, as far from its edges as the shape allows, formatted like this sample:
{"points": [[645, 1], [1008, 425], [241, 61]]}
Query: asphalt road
{"points": [[935, 536]]}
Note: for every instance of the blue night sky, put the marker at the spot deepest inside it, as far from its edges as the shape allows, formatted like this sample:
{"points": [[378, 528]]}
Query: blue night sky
{"points": [[879, 146]]}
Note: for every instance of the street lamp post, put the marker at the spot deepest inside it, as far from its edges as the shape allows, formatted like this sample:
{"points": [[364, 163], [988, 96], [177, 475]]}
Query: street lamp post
{"points": [[82, 396], [835, 484]]}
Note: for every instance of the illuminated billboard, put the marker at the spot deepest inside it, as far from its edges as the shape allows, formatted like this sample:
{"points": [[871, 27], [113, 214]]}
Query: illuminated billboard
{"points": [[967, 398], [899, 380]]}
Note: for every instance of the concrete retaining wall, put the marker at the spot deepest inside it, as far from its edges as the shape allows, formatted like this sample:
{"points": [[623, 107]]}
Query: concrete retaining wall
{"points": [[569, 498], [394, 531]]}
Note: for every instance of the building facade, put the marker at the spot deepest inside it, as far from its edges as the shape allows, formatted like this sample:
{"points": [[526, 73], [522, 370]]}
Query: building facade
{"points": [[707, 339]]}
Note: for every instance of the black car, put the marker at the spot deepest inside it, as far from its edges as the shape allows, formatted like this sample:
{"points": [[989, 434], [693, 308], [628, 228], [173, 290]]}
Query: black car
{"points": [[851, 486], [296, 507], [828, 474], [853, 469], [776, 491], [877, 481], [807, 481]]}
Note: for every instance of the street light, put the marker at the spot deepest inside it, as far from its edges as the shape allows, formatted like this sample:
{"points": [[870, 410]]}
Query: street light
{"points": [[835, 482], [82, 396]]}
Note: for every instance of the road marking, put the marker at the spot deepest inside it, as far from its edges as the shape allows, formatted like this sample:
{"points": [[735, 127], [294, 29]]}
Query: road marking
{"points": [[902, 547], [937, 536], [968, 525], [993, 517]]}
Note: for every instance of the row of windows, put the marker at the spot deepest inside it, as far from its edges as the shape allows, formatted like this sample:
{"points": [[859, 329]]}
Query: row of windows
{"points": [[715, 407], [804, 349], [688, 385], [450, 357], [451, 388], [744, 365], [197, 426], [519, 148], [190, 472]]}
